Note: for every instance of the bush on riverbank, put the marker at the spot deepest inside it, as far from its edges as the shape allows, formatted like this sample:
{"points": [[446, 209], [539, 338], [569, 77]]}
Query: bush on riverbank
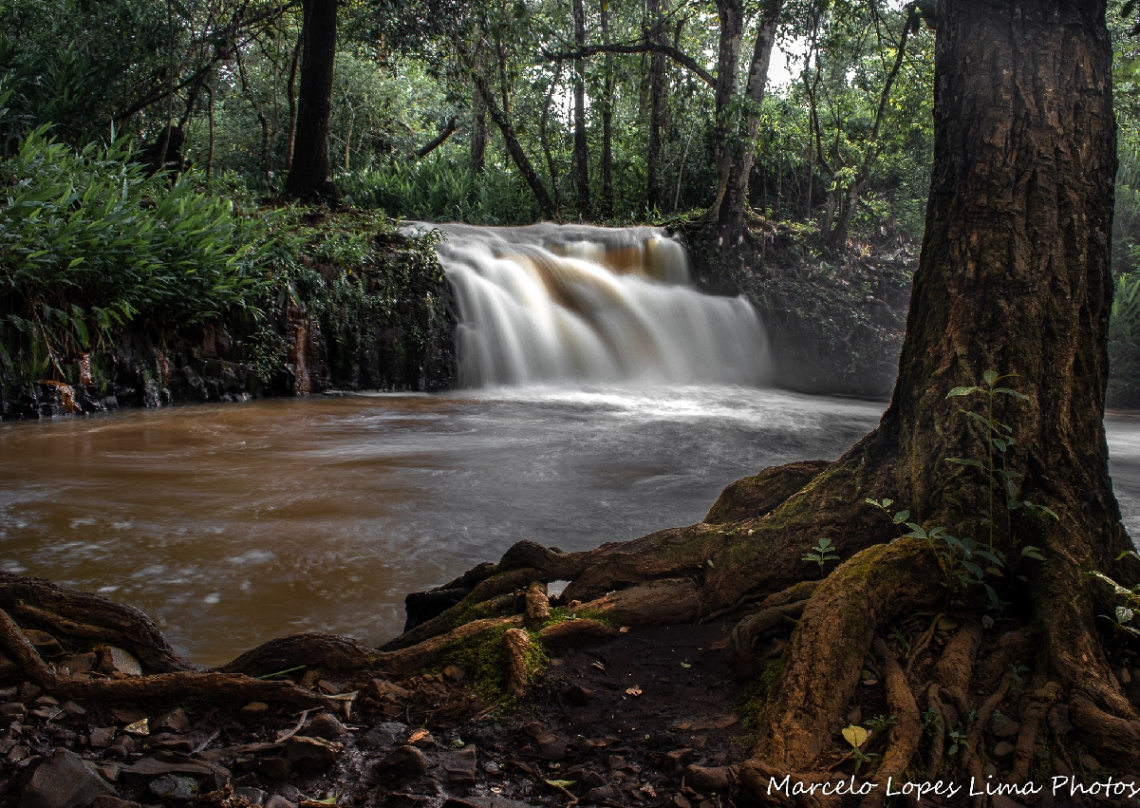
{"points": [[137, 287]]}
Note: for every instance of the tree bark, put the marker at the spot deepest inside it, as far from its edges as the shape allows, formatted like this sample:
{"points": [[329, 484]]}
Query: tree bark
{"points": [[581, 150], [654, 195], [731, 14], [607, 102], [742, 154], [310, 174]]}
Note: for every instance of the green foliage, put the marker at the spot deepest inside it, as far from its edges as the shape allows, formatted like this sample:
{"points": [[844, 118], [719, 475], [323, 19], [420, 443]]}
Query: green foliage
{"points": [[90, 244], [442, 189], [965, 562], [1124, 340], [821, 553]]}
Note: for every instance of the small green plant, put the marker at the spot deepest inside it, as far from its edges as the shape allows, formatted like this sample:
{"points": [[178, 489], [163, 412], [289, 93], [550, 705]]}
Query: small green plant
{"points": [[965, 563], [957, 739], [857, 736], [823, 552], [881, 722]]}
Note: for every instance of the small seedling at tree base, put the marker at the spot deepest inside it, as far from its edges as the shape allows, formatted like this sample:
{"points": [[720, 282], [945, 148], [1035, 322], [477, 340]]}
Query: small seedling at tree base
{"points": [[823, 552]]}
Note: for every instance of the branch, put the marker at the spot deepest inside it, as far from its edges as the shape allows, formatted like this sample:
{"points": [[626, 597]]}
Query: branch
{"points": [[675, 54], [438, 141]]}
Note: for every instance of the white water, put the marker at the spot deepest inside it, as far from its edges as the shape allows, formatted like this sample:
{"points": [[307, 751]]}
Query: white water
{"points": [[573, 304]]}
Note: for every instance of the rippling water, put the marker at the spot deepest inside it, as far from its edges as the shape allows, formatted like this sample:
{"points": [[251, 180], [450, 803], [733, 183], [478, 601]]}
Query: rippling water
{"points": [[232, 524]]}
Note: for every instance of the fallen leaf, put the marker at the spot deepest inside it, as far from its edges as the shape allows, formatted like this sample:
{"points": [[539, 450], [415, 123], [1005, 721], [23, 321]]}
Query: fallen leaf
{"points": [[623, 630], [648, 790], [140, 727], [686, 665], [633, 691], [855, 735], [418, 735], [598, 665], [561, 783]]}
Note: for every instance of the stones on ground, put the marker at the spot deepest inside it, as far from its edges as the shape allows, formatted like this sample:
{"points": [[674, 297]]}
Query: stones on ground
{"points": [[551, 746], [675, 760], [173, 787], [251, 795], [101, 737], [13, 709], [606, 793], [174, 721], [324, 725], [1003, 727], [678, 801], [107, 801], [74, 710], [404, 761], [516, 643], [305, 753], [153, 767], [385, 735], [113, 660], [277, 801], [63, 781], [578, 695], [484, 801], [710, 778], [460, 765]]}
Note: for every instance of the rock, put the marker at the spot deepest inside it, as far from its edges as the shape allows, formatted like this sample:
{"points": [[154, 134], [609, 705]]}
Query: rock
{"points": [[593, 779], [677, 801], [1003, 727], [383, 690], [855, 717], [325, 726], [63, 781], [114, 660], [277, 801], [311, 754], [122, 746], [405, 761], [28, 692], [608, 793], [274, 769], [80, 663], [488, 801], [255, 708], [174, 721], [101, 737], [110, 770], [153, 767], [675, 760], [173, 787], [577, 695], [47, 701], [74, 710], [710, 779], [385, 735], [460, 765], [1003, 750], [454, 673], [254, 796], [13, 709], [107, 801]]}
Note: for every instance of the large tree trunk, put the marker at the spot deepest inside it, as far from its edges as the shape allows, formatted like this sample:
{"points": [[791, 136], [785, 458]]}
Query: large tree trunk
{"points": [[742, 156], [731, 14], [581, 152], [654, 192], [310, 173], [607, 207]]}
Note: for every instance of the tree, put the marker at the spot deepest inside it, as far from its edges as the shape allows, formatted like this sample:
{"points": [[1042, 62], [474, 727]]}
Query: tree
{"points": [[1015, 278], [310, 172]]}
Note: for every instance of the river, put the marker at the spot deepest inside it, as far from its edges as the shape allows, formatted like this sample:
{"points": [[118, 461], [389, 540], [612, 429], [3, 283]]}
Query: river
{"points": [[233, 524]]}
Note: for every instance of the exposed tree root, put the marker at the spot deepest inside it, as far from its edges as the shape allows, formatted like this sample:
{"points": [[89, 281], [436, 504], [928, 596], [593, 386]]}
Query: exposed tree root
{"points": [[906, 734]]}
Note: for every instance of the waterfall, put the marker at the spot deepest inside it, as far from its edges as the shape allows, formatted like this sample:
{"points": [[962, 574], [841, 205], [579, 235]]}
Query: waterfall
{"points": [[575, 304]]}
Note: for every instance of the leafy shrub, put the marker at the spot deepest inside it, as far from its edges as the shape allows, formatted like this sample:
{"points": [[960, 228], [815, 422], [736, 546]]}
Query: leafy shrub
{"points": [[442, 189], [90, 243], [1124, 342]]}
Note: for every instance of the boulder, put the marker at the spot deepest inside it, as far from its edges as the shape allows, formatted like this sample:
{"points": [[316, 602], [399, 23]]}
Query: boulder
{"points": [[63, 781]]}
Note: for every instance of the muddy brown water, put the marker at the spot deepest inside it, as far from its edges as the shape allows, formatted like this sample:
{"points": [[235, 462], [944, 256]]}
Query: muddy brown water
{"points": [[233, 524]]}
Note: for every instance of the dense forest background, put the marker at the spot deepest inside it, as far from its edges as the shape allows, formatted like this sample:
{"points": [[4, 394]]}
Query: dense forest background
{"points": [[443, 110]]}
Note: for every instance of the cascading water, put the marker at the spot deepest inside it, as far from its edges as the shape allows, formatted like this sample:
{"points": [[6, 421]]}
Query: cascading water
{"points": [[574, 304]]}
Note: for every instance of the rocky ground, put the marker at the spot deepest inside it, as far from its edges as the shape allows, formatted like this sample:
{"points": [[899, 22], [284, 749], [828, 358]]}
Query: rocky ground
{"points": [[644, 719]]}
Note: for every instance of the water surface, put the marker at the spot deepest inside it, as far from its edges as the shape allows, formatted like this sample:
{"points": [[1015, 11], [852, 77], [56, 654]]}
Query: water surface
{"points": [[233, 524]]}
